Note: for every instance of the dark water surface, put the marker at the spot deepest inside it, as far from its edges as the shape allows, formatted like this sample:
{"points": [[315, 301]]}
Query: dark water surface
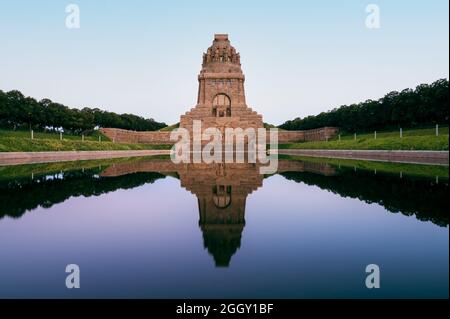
{"points": [[147, 228]]}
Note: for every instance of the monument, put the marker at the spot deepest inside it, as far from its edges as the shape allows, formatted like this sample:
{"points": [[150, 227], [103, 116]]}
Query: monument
{"points": [[221, 95], [221, 102]]}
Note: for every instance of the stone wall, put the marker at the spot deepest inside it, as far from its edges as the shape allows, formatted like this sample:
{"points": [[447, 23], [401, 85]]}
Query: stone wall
{"points": [[134, 137], [157, 137], [320, 134], [285, 137]]}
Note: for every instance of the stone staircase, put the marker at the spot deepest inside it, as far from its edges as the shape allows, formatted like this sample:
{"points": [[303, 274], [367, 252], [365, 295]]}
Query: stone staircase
{"points": [[242, 117]]}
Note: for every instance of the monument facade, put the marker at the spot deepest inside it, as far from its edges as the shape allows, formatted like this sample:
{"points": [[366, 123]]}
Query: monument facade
{"points": [[221, 102], [221, 99]]}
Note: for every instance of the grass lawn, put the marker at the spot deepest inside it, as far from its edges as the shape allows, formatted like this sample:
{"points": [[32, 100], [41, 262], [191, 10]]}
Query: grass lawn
{"points": [[393, 168], [53, 135], [443, 130], [20, 141], [419, 139]]}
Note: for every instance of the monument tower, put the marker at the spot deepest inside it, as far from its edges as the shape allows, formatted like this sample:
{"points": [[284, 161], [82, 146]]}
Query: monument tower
{"points": [[221, 103], [221, 95]]}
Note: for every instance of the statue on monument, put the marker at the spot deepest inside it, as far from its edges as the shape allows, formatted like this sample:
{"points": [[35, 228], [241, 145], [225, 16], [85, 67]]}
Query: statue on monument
{"points": [[228, 54], [208, 55], [217, 55]]}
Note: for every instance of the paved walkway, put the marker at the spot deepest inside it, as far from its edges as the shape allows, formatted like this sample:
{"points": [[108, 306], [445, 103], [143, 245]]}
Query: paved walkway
{"points": [[414, 157], [16, 158]]}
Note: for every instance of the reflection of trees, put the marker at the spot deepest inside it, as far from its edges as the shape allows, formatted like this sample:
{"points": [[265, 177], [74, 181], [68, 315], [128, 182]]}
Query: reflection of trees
{"points": [[19, 195], [423, 198], [222, 191]]}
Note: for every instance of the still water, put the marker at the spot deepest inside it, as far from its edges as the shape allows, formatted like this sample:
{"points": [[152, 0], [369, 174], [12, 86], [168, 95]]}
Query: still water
{"points": [[146, 228]]}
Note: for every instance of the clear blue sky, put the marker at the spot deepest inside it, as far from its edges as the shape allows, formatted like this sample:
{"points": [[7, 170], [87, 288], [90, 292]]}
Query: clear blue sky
{"points": [[143, 57]]}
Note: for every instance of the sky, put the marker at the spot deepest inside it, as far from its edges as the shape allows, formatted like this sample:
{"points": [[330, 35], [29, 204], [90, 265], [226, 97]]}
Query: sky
{"points": [[300, 58]]}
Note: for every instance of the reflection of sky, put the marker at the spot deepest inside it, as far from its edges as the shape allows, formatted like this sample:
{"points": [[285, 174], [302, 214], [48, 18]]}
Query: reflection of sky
{"points": [[299, 241], [143, 57]]}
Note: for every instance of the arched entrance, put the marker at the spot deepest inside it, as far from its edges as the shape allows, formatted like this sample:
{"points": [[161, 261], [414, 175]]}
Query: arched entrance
{"points": [[222, 196], [221, 106]]}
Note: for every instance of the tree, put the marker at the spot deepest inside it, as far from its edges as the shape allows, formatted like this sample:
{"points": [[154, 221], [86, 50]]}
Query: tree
{"points": [[426, 105], [17, 110]]}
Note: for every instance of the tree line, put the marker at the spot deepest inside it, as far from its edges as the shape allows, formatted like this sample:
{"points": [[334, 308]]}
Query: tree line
{"points": [[419, 197], [18, 111], [425, 105], [19, 195]]}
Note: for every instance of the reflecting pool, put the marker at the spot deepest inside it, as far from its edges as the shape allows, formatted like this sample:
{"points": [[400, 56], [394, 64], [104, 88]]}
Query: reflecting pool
{"points": [[147, 228]]}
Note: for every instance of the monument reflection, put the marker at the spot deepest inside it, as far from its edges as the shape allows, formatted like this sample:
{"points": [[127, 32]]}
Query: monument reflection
{"points": [[221, 191]]}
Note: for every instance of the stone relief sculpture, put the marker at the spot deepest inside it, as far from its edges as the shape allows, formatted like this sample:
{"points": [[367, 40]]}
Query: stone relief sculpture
{"points": [[225, 53]]}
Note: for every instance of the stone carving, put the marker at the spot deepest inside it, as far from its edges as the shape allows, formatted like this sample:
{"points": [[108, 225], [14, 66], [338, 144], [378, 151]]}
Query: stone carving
{"points": [[216, 55], [221, 51], [208, 56]]}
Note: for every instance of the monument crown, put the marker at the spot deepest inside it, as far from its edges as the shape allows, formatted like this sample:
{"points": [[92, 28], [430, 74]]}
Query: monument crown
{"points": [[221, 95], [221, 51]]}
